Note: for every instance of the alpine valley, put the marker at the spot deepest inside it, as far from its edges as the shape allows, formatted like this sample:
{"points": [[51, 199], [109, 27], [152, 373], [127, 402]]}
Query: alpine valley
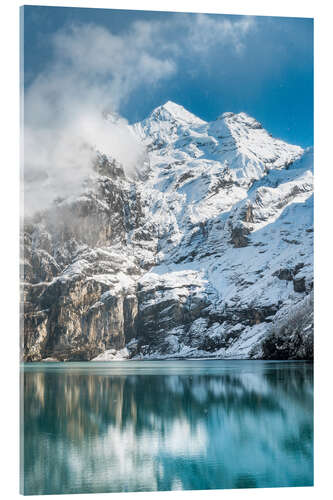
{"points": [[206, 251]]}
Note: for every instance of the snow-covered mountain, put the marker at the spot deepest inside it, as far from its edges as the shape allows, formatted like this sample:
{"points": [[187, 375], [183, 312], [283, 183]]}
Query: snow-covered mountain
{"points": [[207, 252]]}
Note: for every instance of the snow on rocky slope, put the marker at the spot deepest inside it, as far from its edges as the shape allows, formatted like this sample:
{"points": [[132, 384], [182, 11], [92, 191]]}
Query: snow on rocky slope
{"points": [[199, 255]]}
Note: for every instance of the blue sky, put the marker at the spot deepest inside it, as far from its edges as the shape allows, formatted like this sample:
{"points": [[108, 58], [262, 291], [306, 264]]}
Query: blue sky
{"points": [[133, 61]]}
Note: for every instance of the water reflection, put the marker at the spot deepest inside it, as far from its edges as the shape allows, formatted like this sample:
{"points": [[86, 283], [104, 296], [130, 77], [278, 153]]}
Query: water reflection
{"points": [[175, 425]]}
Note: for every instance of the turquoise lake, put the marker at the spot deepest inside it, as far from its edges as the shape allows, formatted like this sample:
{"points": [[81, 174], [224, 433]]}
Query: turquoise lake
{"points": [[166, 425]]}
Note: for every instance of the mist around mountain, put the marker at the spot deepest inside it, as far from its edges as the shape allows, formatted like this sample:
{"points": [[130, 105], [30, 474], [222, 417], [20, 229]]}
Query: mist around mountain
{"points": [[202, 249]]}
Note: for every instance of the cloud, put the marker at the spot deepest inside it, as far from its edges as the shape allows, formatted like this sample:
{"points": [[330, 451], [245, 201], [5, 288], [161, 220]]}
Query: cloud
{"points": [[91, 49], [209, 31], [92, 73]]}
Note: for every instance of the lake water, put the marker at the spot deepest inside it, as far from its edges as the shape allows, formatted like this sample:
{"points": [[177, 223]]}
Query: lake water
{"points": [[166, 425]]}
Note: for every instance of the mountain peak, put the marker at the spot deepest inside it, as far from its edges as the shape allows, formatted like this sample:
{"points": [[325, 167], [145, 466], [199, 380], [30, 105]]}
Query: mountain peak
{"points": [[173, 107], [173, 111], [241, 118]]}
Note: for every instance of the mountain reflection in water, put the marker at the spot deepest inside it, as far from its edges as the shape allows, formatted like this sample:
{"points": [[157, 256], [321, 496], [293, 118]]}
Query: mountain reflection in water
{"points": [[165, 425]]}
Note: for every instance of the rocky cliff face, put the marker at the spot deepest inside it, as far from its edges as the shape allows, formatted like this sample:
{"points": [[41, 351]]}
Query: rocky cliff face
{"points": [[207, 253]]}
